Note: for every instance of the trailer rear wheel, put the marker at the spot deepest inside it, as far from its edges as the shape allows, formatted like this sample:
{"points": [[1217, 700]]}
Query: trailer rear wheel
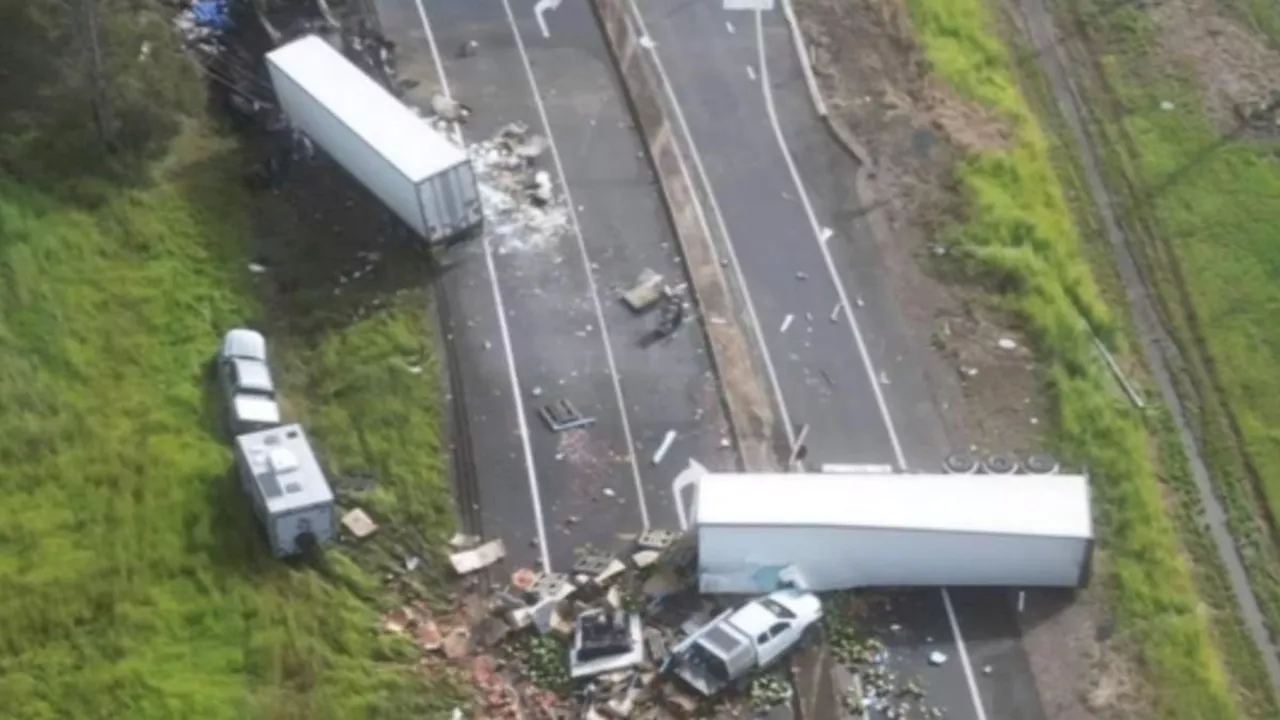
{"points": [[1041, 464], [960, 463], [997, 464]]}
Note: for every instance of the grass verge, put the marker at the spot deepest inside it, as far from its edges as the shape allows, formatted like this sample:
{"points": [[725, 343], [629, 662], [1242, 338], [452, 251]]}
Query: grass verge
{"points": [[1021, 238], [1198, 213], [1244, 662], [135, 581]]}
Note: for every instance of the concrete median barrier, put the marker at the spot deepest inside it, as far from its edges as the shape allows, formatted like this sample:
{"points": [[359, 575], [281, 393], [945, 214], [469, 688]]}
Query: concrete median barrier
{"points": [[751, 413]]}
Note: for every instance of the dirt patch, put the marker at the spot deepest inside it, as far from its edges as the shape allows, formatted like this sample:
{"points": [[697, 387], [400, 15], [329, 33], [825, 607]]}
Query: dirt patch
{"points": [[987, 382], [1070, 644], [1235, 68]]}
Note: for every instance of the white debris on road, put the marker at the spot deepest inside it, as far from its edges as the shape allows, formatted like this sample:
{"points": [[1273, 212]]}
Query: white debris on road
{"points": [[522, 210], [661, 452], [937, 658]]}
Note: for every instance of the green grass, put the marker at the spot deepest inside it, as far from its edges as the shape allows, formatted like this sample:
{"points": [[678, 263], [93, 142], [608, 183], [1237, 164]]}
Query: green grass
{"points": [[134, 582], [1023, 241], [1244, 662], [1200, 215]]}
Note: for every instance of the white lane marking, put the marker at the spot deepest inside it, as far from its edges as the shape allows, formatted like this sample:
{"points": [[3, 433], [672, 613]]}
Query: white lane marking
{"points": [[974, 695], [860, 344], [669, 91], [818, 233], [516, 391], [586, 264], [539, 9]]}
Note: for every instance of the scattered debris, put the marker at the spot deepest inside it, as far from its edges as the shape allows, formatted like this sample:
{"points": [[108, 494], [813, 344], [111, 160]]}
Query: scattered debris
{"points": [[835, 313], [468, 48], [505, 174], [645, 293], [826, 234], [1005, 343], [561, 415], [786, 322], [461, 541], [456, 643], [605, 641], [469, 561], [937, 657], [256, 268], [671, 315], [540, 190], [802, 275], [449, 109], [645, 558], [661, 452], [647, 42], [358, 523]]}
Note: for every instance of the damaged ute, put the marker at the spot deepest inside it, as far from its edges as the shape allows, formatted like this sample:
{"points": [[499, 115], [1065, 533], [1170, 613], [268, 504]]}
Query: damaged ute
{"points": [[739, 643]]}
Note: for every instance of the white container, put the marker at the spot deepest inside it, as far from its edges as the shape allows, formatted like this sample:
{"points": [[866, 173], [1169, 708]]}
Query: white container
{"points": [[833, 531], [417, 172]]}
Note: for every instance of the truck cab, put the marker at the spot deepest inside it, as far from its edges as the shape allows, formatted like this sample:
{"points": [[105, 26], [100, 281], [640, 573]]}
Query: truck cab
{"points": [[247, 387], [741, 642]]}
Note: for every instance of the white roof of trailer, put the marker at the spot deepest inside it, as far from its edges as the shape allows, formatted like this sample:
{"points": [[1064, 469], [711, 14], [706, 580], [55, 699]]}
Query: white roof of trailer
{"points": [[285, 469], [388, 125], [1033, 505]]}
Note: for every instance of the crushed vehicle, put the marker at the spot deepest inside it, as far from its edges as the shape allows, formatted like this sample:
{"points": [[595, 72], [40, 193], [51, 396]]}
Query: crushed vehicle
{"points": [[740, 643], [248, 390]]}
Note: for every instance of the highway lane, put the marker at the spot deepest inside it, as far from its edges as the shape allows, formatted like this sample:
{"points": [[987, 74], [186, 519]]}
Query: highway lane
{"points": [[714, 65], [986, 617], [816, 359], [559, 296]]}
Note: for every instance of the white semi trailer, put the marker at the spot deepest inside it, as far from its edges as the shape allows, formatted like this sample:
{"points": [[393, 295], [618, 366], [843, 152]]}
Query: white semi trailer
{"points": [[417, 172], [832, 531]]}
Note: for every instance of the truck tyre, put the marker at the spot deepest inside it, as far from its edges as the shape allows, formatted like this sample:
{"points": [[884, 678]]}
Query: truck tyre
{"points": [[997, 464], [1041, 464], [960, 463]]}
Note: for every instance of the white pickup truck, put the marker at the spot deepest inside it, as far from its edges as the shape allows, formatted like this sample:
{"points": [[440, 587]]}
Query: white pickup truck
{"points": [[739, 643]]}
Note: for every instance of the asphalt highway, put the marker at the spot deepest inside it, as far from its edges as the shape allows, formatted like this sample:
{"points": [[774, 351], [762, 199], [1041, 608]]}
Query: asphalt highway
{"points": [[563, 332], [781, 188], [524, 318]]}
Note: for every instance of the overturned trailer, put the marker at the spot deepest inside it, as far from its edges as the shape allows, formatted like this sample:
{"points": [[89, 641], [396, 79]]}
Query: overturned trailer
{"points": [[418, 173], [834, 531]]}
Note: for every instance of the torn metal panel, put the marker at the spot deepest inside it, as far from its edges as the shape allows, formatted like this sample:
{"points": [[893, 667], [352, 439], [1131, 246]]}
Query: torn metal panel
{"points": [[605, 641]]}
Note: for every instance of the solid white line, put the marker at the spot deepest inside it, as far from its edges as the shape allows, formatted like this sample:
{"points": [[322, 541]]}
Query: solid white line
{"points": [[516, 391], [518, 394], [826, 253], [975, 696], [669, 91], [586, 263], [964, 656]]}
